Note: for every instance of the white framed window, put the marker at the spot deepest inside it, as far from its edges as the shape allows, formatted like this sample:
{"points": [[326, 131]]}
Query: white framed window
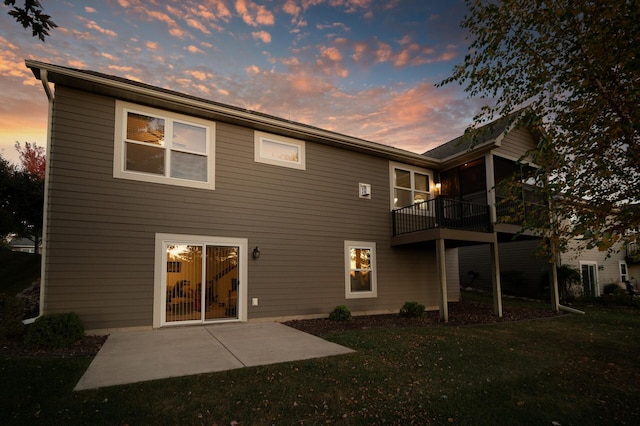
{"points": [[409, 185], [153, 145], [360, 269], [279, 151], [624, 273]]}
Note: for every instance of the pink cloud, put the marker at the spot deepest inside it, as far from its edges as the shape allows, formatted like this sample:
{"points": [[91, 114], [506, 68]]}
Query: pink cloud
{"points": [[199, 75], [120, 69], [93, 25], [253, 14], [193, 49], [197, 25], [262, 36]]}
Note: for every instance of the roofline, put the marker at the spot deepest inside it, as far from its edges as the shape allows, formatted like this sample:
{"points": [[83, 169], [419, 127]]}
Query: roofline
{"points": [[243, 115]]}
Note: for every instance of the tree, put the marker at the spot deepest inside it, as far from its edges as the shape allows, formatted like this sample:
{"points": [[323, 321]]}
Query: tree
{"points": [[32, 159], [576, 65], [21, 203], [32, 16]]}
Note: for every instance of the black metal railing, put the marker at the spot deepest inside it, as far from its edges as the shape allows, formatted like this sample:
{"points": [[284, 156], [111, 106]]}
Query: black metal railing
{"points": [[441, 212]]}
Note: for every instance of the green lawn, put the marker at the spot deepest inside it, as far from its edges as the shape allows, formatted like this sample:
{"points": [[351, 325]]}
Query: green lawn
{"points": [[573, 370]]}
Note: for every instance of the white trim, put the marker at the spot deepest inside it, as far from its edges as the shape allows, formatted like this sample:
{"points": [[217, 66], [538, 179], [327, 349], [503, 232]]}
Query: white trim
{"points": [[119, 161], [412, 169], [160, 271], [259, 156], [348, 294]]}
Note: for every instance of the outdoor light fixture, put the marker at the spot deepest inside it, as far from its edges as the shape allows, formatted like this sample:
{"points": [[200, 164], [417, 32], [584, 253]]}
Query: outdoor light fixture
{"points": [[256, 252]]}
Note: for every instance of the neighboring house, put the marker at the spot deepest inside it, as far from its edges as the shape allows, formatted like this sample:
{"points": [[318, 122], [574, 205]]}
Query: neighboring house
{"points": [[167, 209], [600, 268], [23, 245]]}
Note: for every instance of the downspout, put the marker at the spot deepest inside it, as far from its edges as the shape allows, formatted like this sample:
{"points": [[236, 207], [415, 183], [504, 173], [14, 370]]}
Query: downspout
{"points": [[43, 252]]}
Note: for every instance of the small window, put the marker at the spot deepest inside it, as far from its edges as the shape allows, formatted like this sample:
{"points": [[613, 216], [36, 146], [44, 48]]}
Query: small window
{"points": [[152, 145], [360, 268], [279, 151], [409, 185]]}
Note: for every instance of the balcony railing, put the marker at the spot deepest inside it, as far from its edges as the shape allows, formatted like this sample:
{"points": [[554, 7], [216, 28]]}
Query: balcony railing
{"points": [[441, 212]]}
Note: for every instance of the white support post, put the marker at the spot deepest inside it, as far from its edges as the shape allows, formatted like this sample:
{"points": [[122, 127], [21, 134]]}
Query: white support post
{"points": [[495, 278], [442, 279]]}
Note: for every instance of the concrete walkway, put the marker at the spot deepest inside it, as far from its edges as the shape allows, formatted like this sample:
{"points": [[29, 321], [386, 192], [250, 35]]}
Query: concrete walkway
{"points": [[131, 357]]}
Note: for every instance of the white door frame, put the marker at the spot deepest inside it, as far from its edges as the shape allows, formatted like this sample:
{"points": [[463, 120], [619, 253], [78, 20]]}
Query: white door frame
{"points": [[160, 272]]}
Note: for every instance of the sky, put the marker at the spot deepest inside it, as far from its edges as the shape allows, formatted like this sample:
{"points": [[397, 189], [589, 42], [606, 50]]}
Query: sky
{"points": [[363, 68]]}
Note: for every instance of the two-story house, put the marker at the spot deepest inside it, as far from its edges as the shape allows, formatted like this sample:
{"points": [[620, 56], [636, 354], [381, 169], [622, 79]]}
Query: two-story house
{"points": [[166, 209]]}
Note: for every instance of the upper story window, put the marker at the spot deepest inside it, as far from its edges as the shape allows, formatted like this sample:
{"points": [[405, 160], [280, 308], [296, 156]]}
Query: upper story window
{"points": [[409, 185], [158, 146], [279, 151]]}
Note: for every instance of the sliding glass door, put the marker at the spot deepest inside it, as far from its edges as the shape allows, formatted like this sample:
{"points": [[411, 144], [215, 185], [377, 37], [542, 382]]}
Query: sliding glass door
{"points": [[201, 282]]}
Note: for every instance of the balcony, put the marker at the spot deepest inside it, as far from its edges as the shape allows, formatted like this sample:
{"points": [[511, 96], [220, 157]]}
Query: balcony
{"points": [[441, 213]]}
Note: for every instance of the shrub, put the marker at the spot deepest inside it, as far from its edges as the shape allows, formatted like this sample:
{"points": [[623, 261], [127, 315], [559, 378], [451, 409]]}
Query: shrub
{"points": [[55, 331], [340, 313], [412, 310], [610, 289], [11, 312]]}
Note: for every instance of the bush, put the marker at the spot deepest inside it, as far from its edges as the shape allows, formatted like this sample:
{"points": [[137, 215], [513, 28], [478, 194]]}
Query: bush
{"points": [[610, 289], [412, 310], [55, 331], [11, 312], [340, 313]]}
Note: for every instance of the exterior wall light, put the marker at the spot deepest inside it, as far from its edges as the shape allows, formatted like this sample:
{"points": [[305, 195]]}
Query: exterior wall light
{"points": [[256, 252]]}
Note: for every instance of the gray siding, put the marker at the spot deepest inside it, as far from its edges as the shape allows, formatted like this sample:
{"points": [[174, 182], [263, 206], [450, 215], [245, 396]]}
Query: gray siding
{"points": [[516, 143], [101, 230]]}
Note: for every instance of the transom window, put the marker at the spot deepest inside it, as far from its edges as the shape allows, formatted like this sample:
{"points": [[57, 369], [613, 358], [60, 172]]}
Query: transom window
{"points": [[410, 185], [360, 268], [279, 151], [159, 146]]}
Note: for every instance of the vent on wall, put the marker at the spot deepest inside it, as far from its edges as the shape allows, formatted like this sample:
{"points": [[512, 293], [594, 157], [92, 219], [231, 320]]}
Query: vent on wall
{"points": [[365, 190]]}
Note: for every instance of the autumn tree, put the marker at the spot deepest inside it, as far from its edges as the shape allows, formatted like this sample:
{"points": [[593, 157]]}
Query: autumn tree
{"points": [[576, 65], [31, 16], [32, 158]]}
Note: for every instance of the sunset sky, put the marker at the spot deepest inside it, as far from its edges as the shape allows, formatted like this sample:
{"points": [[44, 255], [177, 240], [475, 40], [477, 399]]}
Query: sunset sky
{"points": [[363, 68]]}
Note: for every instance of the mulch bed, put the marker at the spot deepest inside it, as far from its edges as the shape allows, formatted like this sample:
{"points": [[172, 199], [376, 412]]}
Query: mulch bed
{"points": [[460, 314]]}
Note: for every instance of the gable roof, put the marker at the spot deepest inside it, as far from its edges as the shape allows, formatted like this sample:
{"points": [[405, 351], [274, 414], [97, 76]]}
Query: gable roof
{"points": [[134, 91], [488, 135]]}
